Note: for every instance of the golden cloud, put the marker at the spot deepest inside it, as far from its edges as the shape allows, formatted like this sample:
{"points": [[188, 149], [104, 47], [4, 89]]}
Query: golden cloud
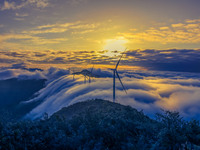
{"points": [[63, 27], [175, 33]]}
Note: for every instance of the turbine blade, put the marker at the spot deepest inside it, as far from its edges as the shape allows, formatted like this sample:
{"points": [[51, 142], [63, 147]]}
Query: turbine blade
{"points": [[119, 59], [121, 81], [92, 69]]}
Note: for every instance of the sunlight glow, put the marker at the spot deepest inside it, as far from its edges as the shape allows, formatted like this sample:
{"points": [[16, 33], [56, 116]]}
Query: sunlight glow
{"points": [[113, 45]]}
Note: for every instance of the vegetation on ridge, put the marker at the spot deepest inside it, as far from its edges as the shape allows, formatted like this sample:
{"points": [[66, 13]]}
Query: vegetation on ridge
{"points": [[99, 124]]}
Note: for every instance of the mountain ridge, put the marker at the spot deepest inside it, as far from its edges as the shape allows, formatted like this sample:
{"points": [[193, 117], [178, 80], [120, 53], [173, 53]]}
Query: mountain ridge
{"points": [[97, 106]]}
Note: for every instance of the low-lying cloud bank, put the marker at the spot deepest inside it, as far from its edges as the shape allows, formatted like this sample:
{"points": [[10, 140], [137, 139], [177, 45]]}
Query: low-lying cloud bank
{"points": [[178, 60], [150, 91], [147, 91], [21, 72]]}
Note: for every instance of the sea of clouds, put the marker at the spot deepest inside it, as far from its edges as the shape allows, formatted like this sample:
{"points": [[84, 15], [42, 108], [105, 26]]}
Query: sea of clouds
{"points": [[150, 91], [169, 87]]}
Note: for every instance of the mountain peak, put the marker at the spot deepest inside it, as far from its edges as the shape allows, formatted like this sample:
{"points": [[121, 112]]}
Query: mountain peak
{"points": [[102, 108]]}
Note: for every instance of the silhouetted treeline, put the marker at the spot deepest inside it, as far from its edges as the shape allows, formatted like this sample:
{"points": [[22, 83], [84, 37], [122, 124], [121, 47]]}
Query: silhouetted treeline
{"points": [[99, 124]]}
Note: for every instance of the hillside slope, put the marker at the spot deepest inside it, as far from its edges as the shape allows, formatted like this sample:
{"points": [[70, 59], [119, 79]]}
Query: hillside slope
{"points": [[103, 108], [98, 125], [102, 123]]}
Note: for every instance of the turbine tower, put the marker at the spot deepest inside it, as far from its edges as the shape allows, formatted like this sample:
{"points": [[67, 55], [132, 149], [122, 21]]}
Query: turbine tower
{"points": [[72, 70], [115, 73], [90, 74]]}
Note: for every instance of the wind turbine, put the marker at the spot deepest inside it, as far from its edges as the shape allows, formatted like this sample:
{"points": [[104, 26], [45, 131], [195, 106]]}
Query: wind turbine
{"points": [[72, 70], [116, 73], [90, 74], [86, 74], [85, 79]]}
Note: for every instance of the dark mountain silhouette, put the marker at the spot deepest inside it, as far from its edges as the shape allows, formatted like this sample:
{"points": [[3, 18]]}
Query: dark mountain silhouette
{"points": [[99, 124], [13, 91]]}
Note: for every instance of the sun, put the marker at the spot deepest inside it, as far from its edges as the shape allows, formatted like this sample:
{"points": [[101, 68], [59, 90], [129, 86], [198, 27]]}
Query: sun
{"points": [[113, 45]]}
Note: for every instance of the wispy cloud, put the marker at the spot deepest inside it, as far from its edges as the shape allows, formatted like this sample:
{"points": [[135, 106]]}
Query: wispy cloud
{"points": [[78, 27], [19, 19], [21, 14], [39, 3], [15, 41], [187, 32], [47, 35], [192, 20], [77, 2], [50, 30], [85, 26], [82, 32], [14, 6], [5, 37], [9, 5]]}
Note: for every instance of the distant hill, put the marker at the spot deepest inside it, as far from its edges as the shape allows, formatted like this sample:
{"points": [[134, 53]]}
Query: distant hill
{"points": [[13, 91]]}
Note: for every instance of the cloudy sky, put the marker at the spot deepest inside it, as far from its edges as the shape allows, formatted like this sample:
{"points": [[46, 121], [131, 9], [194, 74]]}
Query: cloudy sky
{"points": [[160, 35], [98, 25]]}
